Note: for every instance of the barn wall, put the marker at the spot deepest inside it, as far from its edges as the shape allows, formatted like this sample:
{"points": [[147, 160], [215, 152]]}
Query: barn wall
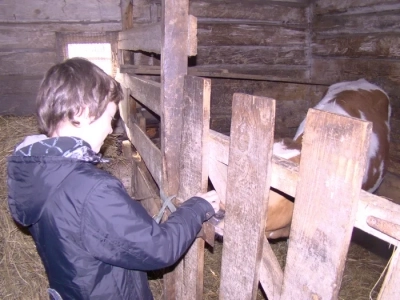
{"points": [[28, 42], [360, 39], [269, 38]]}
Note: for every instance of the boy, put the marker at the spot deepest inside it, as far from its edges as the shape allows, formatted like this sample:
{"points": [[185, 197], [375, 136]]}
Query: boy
{"points": [[94, 240]]}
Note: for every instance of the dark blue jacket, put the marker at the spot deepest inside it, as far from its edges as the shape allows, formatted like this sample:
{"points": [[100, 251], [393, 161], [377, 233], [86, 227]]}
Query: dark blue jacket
{"points": [[94, 240]]}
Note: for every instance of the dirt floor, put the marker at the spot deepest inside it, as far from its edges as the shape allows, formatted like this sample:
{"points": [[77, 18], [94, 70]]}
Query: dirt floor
{"points": [[23, 277]]}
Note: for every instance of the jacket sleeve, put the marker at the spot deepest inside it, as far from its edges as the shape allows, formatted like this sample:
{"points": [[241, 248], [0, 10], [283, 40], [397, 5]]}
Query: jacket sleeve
{"points": [[117, 230]]}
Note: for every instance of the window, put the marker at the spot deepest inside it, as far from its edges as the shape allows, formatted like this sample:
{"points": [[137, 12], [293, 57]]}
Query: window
{"points": [[99, 54], [99, 48]]}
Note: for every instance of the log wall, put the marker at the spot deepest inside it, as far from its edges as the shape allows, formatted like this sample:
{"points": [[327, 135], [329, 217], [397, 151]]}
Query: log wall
{"points": [[28, 44], [360, 39]]}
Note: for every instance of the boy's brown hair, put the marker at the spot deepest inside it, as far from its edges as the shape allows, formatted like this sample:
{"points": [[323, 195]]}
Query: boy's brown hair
{"points": [[71, 86]]}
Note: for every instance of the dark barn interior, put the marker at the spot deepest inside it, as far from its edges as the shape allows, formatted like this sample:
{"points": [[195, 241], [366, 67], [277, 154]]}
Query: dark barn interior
{"points": [[291, 51]]}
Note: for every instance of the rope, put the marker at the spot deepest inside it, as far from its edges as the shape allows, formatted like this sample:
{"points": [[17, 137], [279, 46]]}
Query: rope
{"points": [[167, 202]]}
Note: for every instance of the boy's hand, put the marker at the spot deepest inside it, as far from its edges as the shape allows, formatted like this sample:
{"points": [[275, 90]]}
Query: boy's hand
{"points": [[211, 197]]}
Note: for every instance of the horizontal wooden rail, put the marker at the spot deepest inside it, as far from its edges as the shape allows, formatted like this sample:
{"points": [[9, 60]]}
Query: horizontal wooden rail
{"points": [[149, 152], [212, 72], [148, 38], [147, 92], [284, 178]]}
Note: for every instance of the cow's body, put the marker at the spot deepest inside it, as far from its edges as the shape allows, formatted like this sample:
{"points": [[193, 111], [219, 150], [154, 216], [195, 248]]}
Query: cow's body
{"points": [[358, 99]]}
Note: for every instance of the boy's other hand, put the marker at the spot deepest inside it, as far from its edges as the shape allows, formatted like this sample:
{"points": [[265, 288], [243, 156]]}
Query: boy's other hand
{"points": [[212, 198]]}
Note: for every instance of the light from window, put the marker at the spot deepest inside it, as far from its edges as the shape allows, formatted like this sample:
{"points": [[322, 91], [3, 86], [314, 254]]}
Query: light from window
{"points": [[99, 54]]}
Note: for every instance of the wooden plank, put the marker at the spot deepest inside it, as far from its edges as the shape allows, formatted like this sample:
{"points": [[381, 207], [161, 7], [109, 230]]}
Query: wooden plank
{"points": [[146, 91], [125, 57], [285, 176], [384, 72], [146, 37], [249, 176], [331, 171], [378, 45], [194, 174], [249, 35], [372, 205], [264, 55], [388, 22], [390, 287], [192, 36], [26, 37], [144, 188], [274, 12], [27, 62], [361, 6], [46, 28], [271, 275], [174, 37], [149, 152], [19, 105], [284, 73], [59, 11]]}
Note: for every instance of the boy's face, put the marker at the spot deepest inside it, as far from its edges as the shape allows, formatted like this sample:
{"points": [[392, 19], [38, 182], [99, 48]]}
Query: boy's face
{"points": [[96, 132]]}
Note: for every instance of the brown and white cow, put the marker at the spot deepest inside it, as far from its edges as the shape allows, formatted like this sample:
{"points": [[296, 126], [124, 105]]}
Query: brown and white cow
{"points": [[358, 99]]}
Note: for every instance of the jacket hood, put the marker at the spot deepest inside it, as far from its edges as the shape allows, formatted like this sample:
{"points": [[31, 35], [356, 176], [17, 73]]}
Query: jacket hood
{"points": [[36, 169]]}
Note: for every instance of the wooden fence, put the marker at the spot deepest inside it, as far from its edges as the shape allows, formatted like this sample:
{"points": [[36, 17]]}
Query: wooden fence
{"points": [[326, 184]]}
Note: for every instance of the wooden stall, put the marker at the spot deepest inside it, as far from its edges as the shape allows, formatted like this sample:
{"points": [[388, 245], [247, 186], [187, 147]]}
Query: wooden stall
{"points": [[154, 52]]}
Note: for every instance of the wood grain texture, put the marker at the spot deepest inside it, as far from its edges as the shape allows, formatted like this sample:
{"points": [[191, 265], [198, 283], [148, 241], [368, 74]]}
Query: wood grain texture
{"points": [[274, 12], [194, 174], [146, 91], [323, 7], [331, 171], [381, 45], [377, 22], [146, 37], [263, 55], [42, 11], [26, 62], [390, 287], [247, 193], [174, 37], [149, 152], [248, 35]]}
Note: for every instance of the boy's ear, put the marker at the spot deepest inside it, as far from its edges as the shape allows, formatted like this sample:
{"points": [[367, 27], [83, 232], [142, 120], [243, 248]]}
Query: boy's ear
{"points": [[83, 118]]}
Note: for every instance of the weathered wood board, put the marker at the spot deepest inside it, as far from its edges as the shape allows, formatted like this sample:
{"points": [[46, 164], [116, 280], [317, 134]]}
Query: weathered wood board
{"points": [[331, 171], [194, 176], [59, 11], [249, 173], [272, 12]]}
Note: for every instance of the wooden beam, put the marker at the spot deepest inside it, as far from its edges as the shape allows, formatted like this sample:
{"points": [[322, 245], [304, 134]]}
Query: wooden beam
{"points": [[250, 153], [148, 151], [147, 37], [194, 175], [285, 176], [390, 287], [146, 91], [174, 37], [332, 166], [144, 37], [285, 73], [271, 275]]}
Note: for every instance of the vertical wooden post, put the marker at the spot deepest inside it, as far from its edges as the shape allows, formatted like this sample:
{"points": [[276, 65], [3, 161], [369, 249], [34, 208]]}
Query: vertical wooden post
{"points": [[127, 23], [390, 287], [194, 176], [173, 68], [250, 154], [330, 176]]}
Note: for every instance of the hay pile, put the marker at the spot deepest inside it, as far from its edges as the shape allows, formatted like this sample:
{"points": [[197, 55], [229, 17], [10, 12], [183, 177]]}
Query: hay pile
{"points": [[22, 274]]}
